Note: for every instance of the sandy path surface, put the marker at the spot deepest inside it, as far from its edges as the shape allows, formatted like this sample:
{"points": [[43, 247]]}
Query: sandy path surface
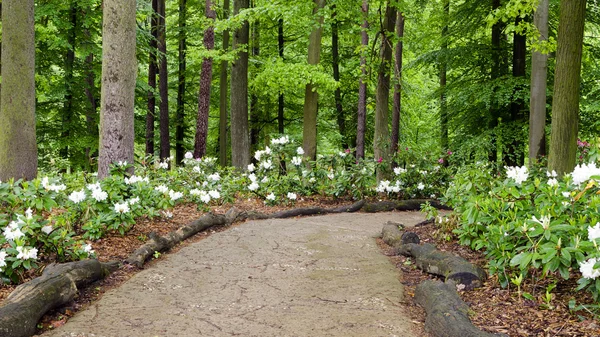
{"points": [[312, 276]]}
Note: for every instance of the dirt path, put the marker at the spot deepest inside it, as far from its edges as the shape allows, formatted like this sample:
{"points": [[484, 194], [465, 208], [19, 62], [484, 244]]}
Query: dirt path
{"points": [[314, 276]]}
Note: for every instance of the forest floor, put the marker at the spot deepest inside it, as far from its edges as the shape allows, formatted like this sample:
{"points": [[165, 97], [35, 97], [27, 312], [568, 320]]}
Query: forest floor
{"points": [[493, 308]]}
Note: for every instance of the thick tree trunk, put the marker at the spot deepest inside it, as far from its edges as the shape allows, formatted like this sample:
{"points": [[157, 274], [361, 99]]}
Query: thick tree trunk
{"points": [[223, 95], [240, 138], [381, 139], [163, 83], [23, 308], [311, 96], [254, 103], [119, 71], [152, 70], [443, 80], [398, 83], [565, 107], [362, 85], [341, 118], [281, 103], [514, 155], [180, 116], [67, 111], [539, 75], [18, 147], [205, 82]]}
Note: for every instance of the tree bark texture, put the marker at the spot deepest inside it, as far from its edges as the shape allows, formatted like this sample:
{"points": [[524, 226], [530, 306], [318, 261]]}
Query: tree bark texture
{"points": [[499, 69], [240, 138], [443, 79], [514, 154], [537, 100], [119, 71], [311, 96], [254, 101], [281, 102], [381, 138], [18, 147], [205, 82], [567, 78], [25, 306], [163, 83], [341, 117], [180, 116], [91, 114], [397, 107], [67, 111], [223, 96], [362, 85], [152, 70]]}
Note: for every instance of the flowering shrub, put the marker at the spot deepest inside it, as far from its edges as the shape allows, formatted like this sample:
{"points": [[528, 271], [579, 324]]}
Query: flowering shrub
{"points": [[531, 221]]}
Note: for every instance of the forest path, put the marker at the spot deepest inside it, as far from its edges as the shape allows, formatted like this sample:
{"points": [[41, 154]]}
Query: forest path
{"points": [[311, 276]]}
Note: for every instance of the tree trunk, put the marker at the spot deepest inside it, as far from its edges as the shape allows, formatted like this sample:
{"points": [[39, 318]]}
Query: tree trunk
{"points": [[18, 147], [240, 140], [91, 114], [223, 95], [565, 107], [281, 105], [514, 154], [398, 85], [119, 71], [381, 138], [499, 68], [341, 118], [205, 82], [311, 96], [67, 111], [152, 70], [362, 85], [180, 116], [443, 80], [539, 74], [163, 83], [254, 104]]}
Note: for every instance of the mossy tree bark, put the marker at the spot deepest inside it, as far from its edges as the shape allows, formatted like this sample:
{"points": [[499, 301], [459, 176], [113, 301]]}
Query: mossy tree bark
{"points": [[565, 107], [311, 96], [240, 138], [119, 70], [18, 147]]}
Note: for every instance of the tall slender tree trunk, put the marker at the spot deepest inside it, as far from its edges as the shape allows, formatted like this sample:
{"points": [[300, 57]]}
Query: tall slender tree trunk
{"points": [[514, 155], [254, 104], [281, 103], [18, 147], [205, 82], [240, 139], [539, 75], [499, 69], [163, 83], [362, 85], [91, 113], [443, 80], [311, 96], [119, 71], [223, 95], [341, 118], [398, 85], [152, 70], [67, 113], [381, 139], [180, 116], [567, 78]]}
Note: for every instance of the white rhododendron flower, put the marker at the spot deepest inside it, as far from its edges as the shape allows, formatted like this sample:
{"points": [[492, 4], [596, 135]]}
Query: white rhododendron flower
{"points": [[254, 186], [122, 208], [214, 177], [134, 201], [552, 182], [587, 269], [2, 259], [594, 232], [545, 221], [297, 161], [551, 174], [292, 196], [251, 168], [29, 213], [195, 191], [267, 164], [518, 174], [214, 194], [77, 196], [330, 175], [99, 195], [88, 249], [26, 253], [163, 165], [162, 189], [399, 170], [93, 187], [175, 195], [189, 155], [204, 197], [280, 141], [47, 229], [197, 169], [421, 186], [13, 231], [584, 172], [271, 197], [135, 179], [300, 151]]}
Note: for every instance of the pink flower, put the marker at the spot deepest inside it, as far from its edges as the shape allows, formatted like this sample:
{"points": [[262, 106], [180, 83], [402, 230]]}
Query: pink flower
{"points": [[449, 153], [441, 160], [380, 160], [347, 150], [581, 143]]}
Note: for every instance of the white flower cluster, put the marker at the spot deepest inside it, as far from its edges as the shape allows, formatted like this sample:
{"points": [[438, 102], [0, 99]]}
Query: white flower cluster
{"points": [[52, 187], [175, 195], [271, 197], [122, 208], [162, 189], [26, 253], [386, 186], [544, 221], [77, 196], [2, 259], [518, 174], [280, 141], [297, 161], [399, 170], [292, 196], [13, 230], [214, 177], [189, 155], [135, 179], [97, 193], [300, 151], [260, 153], [587, 268], [205, 197], [253, 183], [584, 172]]}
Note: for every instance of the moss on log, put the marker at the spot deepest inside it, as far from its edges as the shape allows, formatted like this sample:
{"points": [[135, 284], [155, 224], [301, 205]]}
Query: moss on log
{"points": [[447, 314], [401, 205], [23, 308]]}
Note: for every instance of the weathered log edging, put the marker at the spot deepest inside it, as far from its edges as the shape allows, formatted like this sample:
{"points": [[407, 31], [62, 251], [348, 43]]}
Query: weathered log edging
{"points": [[402, 205], [23, 308]]}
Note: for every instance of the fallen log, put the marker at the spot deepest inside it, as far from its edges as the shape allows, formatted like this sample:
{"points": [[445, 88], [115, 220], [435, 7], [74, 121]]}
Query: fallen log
{"points": [[305, 211], [23, 308], [164, 243], [447, 313], [402, 205]]}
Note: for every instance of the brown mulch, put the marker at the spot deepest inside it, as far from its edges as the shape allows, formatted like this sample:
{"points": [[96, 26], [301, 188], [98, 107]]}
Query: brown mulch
{"points": [[499, 310]]}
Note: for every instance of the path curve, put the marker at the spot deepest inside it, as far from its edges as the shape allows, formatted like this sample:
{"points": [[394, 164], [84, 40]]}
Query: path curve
{"points": [[312, 276]]}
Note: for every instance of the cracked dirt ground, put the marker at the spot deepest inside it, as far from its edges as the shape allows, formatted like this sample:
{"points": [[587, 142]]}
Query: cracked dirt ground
{"points": [[313, 276]]}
